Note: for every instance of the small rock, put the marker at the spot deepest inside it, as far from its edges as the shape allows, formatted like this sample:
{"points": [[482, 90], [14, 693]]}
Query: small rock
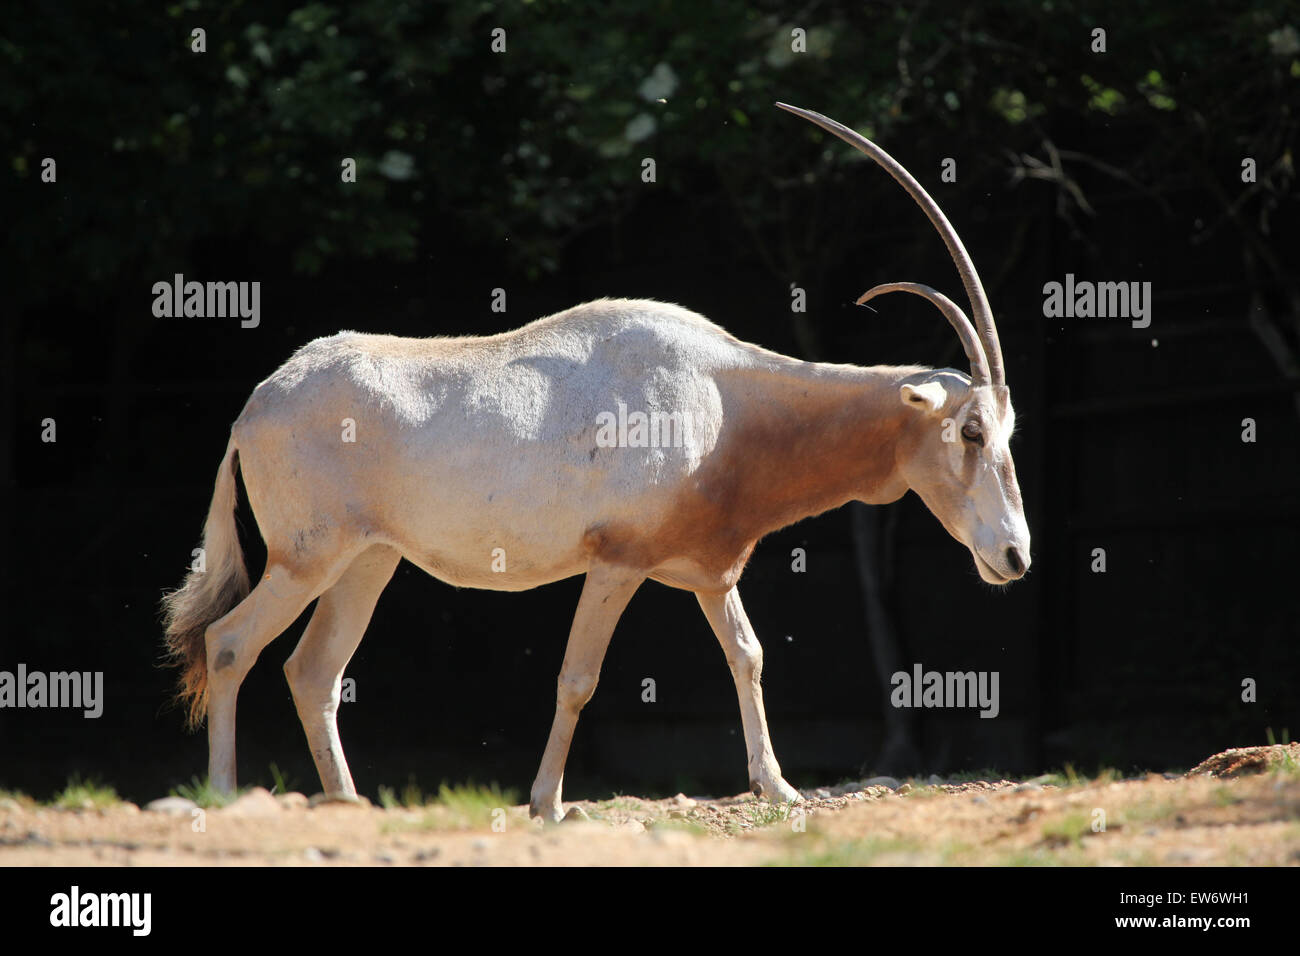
{"points": [[889, 782], [576, 814], [313, 855], [905, 789], [935, 780], [631, 826], [293, 801], [682, 800], [258, 802], [821, 793], [1029, 785], [176, 806]]}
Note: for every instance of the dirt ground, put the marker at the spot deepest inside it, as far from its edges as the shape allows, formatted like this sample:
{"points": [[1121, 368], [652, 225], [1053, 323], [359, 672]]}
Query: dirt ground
{"points": [[1241, 807]]}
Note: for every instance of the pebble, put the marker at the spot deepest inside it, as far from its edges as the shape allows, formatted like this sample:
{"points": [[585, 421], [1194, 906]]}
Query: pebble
{"points": [[576, 814], [258, 802], [889, 782], [177, 806]]}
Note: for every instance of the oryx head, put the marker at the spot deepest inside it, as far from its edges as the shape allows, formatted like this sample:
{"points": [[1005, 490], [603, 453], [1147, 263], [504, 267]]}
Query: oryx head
{"points": [[956, 456]]}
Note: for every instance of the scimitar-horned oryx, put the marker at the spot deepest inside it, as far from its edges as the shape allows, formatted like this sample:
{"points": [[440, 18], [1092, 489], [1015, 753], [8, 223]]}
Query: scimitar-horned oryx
{"points": [[510, 461]]}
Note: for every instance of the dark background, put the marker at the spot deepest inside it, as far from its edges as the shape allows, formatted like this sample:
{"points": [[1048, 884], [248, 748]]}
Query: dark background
{"points": [[480, 170]]}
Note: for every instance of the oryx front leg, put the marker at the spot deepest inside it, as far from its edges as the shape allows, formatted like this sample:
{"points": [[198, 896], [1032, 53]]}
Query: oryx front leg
{"points": [[604, 596], [745, 658], [315, 669]]}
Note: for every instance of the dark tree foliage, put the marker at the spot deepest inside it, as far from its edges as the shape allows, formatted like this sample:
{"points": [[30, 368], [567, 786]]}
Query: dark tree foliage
{"points": [[518, 151]]}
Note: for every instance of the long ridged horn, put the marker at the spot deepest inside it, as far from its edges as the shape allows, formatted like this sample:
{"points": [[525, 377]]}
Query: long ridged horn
{"points": [[960, 257], [970, 342]]}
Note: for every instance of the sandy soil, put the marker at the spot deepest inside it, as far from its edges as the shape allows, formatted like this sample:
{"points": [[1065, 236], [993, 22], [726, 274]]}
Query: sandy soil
{"points": [[1241, 807]]}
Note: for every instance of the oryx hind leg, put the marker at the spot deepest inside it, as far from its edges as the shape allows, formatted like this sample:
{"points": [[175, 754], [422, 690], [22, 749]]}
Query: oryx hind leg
{"points": [[315, 669], [235, 641]]}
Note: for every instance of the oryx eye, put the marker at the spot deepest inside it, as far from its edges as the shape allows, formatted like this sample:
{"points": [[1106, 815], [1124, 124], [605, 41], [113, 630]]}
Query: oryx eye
{"points": [[972, 433]]}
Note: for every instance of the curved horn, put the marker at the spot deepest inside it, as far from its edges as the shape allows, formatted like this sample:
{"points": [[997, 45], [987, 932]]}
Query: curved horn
{"points": [[960, 257], [979, 369]]}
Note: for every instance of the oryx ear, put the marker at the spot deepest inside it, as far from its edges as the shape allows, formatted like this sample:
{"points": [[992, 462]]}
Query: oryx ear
{"points": [[928, 396]]}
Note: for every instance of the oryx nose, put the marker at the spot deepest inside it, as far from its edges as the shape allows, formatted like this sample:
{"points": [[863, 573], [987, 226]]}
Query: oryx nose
{"points": [[1015, 561]]}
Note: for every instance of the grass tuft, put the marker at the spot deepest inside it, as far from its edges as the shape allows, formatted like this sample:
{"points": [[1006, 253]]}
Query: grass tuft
{"points": [[1288, 765], [465, 807], [85, 795], [201, 791], [18, 797], [1069, 830]]}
